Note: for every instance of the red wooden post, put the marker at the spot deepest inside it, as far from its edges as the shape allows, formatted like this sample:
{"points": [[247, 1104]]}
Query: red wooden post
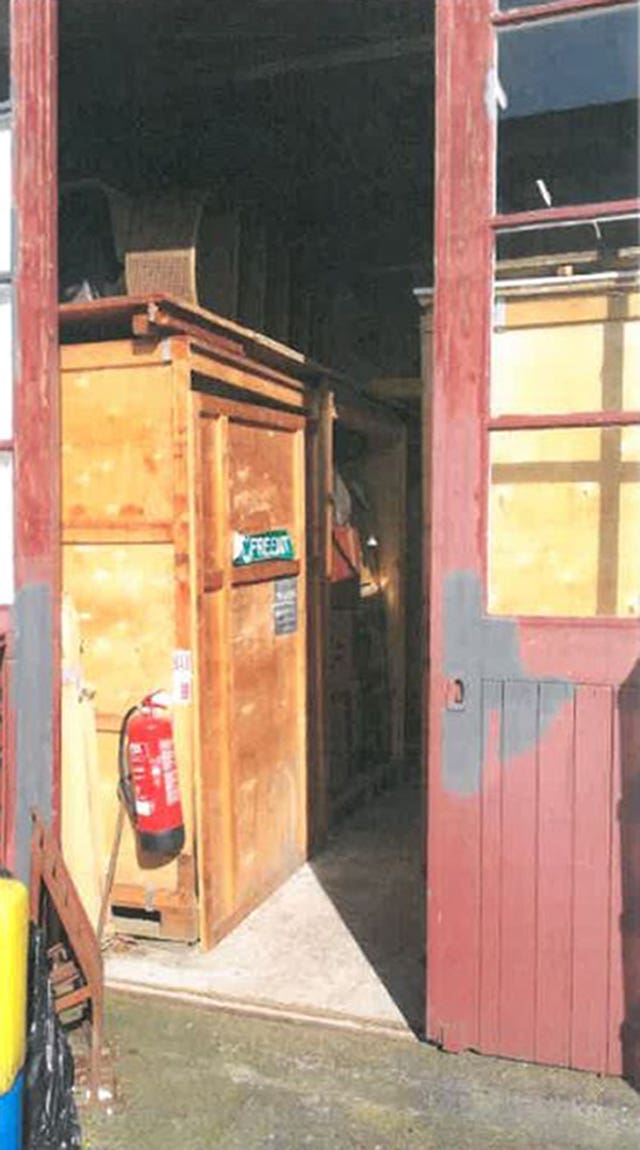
{"points": [[463, 255], [35, 695]]}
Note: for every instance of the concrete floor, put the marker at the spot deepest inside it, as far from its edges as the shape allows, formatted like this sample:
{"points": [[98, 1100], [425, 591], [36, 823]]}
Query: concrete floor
{"points": [[342, 940], [199, 1079]]}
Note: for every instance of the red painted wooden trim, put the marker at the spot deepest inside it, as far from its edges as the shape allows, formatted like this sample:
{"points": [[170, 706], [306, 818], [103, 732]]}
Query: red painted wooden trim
{"points": [[464, 182], [558, 8], [34, 52], [576, 213], [574, 419]]}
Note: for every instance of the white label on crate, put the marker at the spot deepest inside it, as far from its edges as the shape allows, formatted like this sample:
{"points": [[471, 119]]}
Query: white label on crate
{"points": [[6, 365], [5, 200], [6, 531], [182, 677]]}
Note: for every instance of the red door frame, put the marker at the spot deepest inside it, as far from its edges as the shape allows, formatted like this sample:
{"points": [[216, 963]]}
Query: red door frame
{"points": [[34, 705], [461, 910]]}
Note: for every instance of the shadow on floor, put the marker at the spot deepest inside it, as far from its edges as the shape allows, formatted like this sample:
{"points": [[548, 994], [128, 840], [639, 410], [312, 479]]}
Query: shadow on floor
{"points": [[372, 871]]}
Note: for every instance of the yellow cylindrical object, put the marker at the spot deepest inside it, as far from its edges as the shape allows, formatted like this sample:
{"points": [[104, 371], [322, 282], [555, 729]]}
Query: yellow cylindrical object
{"points": [[14, 944]]}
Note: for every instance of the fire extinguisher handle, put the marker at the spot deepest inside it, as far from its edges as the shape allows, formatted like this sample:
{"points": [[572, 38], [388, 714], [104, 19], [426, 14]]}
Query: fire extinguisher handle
{"points": [[125, 788]]}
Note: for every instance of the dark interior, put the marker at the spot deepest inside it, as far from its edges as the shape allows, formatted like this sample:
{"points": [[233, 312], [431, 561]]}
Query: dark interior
{"points": [[315, 117]]}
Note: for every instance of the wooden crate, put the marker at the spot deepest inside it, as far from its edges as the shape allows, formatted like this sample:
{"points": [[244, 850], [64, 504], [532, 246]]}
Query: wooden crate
{"points": [[180, 430]]}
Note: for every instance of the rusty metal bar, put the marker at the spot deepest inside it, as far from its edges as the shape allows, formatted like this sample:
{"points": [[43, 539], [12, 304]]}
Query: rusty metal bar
{"points": [[537, 12], [569, 214]]}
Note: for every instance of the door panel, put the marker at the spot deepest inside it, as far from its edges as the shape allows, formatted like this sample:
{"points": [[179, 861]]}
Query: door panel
{"points": [[551, 819], [253, 670], [534, 740]]}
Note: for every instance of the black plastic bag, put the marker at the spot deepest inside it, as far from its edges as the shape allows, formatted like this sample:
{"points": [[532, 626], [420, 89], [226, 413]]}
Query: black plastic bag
{"points": [[50, 1114]]}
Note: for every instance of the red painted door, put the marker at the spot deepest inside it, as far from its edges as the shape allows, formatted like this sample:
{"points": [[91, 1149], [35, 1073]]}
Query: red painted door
{"points": [[534, 747]]}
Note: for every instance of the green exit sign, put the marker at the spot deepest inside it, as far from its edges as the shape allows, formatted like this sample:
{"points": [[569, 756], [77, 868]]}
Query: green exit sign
{"points": [[262, 547]]}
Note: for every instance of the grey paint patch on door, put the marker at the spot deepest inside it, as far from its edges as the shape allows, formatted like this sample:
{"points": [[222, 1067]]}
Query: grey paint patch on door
{"points": [[32, 697], [479, 651]]}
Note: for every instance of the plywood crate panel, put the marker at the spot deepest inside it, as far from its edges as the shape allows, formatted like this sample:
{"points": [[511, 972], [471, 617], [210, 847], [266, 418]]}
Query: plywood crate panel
{"points": [[180, 430]]}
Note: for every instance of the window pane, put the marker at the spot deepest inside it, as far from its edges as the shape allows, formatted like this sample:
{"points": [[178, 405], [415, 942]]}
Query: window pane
{"points": [[593, 245], [564, 522], [568, 125], [564, 346]]}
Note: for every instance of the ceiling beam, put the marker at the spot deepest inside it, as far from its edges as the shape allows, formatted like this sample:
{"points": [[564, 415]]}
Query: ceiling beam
{"points": [[370, 53]]}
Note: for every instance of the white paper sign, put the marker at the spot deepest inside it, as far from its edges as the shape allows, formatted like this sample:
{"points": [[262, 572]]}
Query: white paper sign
{"points": [[182, 677]]}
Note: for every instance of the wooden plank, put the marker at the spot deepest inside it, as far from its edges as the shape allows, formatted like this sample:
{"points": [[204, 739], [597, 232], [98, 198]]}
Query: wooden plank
{"points": [[490, 866], [264, 796], [465, 136], [117, 447], [592, 845], [114, 353], [184, 604], [626, 717], [244, 412], [624, 1040], [265, 572], [268, 769], [262, 496], [216, 855], [518, 870], [554, 864], [209, 366]]}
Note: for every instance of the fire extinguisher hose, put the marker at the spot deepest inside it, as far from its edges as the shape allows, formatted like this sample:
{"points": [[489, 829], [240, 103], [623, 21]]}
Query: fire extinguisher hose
{"points": [[125, 789]]}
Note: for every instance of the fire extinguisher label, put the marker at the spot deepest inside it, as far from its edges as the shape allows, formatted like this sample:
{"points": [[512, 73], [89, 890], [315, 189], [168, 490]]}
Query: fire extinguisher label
{"points": [[170, 771]]}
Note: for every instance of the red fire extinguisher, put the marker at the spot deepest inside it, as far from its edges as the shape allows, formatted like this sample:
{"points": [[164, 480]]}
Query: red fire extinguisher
{"points": [[149, 785]]}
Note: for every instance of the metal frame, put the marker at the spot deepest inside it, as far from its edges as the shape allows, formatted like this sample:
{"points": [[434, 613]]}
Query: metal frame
{"points": [[536, 12]]}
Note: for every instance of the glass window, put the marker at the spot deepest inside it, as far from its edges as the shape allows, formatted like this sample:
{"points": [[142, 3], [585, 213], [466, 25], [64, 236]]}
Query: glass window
{"points": [[570, 348], [568, 114], [564, 502], [564, 520]]}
